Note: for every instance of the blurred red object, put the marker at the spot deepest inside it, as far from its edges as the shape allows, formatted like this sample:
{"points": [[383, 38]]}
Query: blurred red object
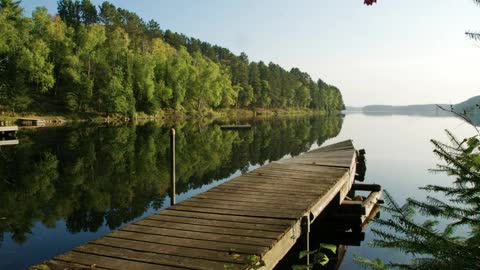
{"points": [[369, 2]]}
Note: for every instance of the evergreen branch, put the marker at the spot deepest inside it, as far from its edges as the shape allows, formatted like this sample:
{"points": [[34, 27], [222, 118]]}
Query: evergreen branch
{"points": [[475, 36]]}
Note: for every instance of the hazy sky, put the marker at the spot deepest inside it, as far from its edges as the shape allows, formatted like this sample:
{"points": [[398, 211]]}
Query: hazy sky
{"points": [[394, 52]]}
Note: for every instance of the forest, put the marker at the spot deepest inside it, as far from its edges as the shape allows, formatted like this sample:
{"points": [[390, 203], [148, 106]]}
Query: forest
{"points": [[108, 60]]}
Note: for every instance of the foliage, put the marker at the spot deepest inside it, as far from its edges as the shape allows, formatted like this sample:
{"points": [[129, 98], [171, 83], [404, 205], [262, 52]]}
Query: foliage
{"points": [[319, 257], [108, 60], [431, 245]]}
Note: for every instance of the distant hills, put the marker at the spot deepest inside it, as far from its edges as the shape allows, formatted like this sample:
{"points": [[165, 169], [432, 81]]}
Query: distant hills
{"points": [[469, 106]]}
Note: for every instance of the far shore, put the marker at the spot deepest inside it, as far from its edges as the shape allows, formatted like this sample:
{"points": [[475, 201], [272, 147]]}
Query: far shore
{"points": [[54, 119]]}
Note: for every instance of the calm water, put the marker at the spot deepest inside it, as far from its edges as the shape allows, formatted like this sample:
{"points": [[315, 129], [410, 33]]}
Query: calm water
{"points": [[61, 187]]}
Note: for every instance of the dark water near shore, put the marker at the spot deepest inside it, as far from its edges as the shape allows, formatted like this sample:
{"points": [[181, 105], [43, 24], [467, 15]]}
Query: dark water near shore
{"points": [[61, 187]]}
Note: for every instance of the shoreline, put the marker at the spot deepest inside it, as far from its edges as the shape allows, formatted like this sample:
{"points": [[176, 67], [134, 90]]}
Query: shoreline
{"points": [[56, 119]]}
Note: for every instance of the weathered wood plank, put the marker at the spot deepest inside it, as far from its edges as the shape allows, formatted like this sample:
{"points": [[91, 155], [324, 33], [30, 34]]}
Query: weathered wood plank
{"points": [[252, 204], [8, 142], [267, 190], [194, 253], [200, 235], [220, 224], [255, 206], [285, 182], [216, 230], [60, 265], [8, 128], [109, 262], [285, 213], [153, 258], [233, 218], [279, 188], [190, 243], [235, 212], [274, 255]]}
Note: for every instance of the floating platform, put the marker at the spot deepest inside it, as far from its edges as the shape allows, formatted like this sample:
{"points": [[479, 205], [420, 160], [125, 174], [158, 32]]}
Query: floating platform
{"points": [[31, 122], [8, 131], [249, 222], [8, 142]]}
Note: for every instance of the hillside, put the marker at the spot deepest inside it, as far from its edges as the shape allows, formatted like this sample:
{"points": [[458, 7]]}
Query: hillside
{"points": [[469, 106]]}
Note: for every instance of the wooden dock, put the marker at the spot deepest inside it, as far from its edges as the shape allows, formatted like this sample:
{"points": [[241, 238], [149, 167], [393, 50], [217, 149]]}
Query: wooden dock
{"points": [[249, 222], [31, 122], [8, 131]]}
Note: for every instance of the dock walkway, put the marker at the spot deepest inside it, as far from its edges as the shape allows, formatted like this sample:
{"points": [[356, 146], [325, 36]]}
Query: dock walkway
{"points": [[247, 222]]}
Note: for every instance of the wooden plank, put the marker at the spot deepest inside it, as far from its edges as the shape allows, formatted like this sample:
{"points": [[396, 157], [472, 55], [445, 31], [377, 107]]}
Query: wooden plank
{"points": [[370, 202], [233, 218], [336, 146], [370, 216], [297, 172], [109, 262], [60, 265], [328, 197], [251, 210], [190, 243], [367, 187], [9, 142], [274, 255], [153, 258], [308, 201], [194, 253], [265, 192], [200, 235], [245, 213], [278, 188], [323, 163], [282, 165], [268, 188], [285, 182], [216, 230], [279, 175], [249, 204], [8, 128], [227, 196], [216, 223]]}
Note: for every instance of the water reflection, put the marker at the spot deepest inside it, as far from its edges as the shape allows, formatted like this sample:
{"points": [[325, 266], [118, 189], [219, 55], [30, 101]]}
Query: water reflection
{"points": [[95, 177]]}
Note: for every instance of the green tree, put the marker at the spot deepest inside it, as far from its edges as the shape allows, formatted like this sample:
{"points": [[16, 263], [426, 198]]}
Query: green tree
{"points": [[431, 246]]}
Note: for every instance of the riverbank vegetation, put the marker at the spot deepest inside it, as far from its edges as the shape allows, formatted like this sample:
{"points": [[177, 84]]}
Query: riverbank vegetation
{"points": [[108, 60]]}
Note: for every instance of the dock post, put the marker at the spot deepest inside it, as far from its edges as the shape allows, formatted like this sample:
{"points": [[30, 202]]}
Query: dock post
{"points": [[305, 223], [172, 168]]}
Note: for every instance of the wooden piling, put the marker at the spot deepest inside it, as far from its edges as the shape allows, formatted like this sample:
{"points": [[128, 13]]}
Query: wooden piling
{"points": [[172, 168]]}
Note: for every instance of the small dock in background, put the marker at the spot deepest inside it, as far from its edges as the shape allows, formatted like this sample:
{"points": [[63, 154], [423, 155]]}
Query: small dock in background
{"points": [[31, 122], [249, 222], [8, 131]]}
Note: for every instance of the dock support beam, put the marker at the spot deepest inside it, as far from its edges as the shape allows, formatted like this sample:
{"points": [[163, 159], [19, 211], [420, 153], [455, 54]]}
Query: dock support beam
{"points": [[172, 168], [306, 234]]}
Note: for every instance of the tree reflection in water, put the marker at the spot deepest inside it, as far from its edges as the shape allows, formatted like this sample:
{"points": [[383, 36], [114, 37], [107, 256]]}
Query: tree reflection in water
{"points": [[96, 176]]}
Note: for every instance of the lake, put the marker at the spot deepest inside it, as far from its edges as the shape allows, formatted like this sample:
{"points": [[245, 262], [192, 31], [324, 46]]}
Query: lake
{"points": [[61, 187]]}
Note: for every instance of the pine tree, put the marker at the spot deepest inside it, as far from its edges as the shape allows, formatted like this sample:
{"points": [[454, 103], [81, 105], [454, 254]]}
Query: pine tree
{"points": [[430, 246]]}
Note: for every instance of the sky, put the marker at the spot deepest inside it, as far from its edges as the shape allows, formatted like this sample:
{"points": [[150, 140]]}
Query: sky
{"points": [[394, 52]]}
